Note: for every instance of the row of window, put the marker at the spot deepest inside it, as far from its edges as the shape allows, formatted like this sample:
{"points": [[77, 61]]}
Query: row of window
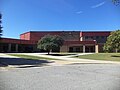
{"points": [[95, 37]]}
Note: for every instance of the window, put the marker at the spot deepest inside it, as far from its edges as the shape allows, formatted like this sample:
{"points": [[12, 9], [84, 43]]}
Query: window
{"points": [[102, 37], [97, 37], [86, 37], [91, 37]]}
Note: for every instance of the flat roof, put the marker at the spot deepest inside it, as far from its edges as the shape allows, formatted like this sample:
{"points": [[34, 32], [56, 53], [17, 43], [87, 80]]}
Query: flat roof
{"points": [[16, 41], [65, 31]]}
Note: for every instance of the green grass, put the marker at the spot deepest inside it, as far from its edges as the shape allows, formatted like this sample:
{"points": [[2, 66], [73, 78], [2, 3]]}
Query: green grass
{"points": [[32, 57], [102, 56]]}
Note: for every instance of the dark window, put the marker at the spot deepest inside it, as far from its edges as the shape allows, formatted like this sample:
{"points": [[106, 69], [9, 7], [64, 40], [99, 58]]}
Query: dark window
{"points": [[97, 37], [102, 37], [86, 37], [70, 49], [91, 37]]}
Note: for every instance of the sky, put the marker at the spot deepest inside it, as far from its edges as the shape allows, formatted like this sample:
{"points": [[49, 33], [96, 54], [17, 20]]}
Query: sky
{"points": [[21, 16]]}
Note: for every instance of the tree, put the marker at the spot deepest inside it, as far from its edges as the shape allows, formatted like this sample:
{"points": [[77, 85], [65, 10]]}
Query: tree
{"points": [[50, 42], [113, 42], [0, 25], [116, 2]]}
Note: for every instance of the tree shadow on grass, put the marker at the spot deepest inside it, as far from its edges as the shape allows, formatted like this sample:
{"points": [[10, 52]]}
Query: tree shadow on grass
{"points": [[60, 54], [23, 63], [115, 55]]}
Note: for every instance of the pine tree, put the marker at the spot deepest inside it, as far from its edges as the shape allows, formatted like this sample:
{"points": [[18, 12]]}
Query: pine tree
{"points": [[116, 2], [0, 25]]}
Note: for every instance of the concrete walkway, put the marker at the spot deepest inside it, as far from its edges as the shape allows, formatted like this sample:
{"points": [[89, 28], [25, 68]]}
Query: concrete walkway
{"points": [[2, 55], [73, 54], [70, 59]]}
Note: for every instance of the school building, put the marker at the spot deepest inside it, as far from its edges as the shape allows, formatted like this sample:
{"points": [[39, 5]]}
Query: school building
{"points": [[74, 41]]}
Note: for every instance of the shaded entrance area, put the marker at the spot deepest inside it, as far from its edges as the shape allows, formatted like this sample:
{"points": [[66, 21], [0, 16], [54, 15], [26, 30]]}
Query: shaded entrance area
{"points": [[82, 49], [10, 47], [89, 49], [76, 49], [80, 46], [16, 45]]}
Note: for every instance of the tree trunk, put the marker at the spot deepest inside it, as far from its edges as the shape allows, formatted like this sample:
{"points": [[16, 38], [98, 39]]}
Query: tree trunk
{"points": [[48, 52]]}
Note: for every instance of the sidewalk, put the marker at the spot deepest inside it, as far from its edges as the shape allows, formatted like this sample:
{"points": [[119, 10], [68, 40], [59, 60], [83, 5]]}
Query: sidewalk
{"points": [[63, 60], [70, 59], [2, 55]]}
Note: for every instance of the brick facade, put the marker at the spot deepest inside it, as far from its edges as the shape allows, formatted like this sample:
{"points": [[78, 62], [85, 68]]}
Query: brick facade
{"points": [[75, 41]]}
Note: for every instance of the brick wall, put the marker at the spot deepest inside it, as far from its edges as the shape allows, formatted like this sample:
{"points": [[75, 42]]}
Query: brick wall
{"points": [[66, 35]]}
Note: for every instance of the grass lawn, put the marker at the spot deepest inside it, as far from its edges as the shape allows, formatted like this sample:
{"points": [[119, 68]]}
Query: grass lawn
{"points": [[102, 56], [32, 57]]}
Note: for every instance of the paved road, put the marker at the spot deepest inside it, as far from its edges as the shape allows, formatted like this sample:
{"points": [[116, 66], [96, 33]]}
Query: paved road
{"points": [[67, 77]]}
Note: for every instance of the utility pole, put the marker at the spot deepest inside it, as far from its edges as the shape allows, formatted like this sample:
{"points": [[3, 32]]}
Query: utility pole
{"points": [[1, 25]]}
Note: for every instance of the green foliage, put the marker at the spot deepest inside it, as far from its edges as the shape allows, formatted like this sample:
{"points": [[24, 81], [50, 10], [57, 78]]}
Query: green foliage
{"points": [[116, 2], [50, 42], [113, 42]]}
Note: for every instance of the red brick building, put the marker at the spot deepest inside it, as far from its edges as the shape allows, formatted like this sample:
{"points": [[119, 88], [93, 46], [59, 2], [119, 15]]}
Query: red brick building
{"points": [[75, 41]]}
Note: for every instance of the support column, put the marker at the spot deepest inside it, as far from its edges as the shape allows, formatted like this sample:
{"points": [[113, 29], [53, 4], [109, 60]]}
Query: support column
{"points": [[74, 49], [16, 48], [96, 48], [83, 48], [9, 47]]}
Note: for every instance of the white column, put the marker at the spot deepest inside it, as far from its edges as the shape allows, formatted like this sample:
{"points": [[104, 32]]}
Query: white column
{"points": [[9, 47], [83, 48], [16, 47], [74, 49], [96, 48]]}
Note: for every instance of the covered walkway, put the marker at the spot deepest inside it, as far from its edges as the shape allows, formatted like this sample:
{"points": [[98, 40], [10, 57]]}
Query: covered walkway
{"points": [[16, 45]]}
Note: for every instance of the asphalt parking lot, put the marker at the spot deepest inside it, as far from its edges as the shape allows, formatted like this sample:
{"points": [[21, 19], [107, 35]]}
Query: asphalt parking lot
{"points": [[66, 77]]}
